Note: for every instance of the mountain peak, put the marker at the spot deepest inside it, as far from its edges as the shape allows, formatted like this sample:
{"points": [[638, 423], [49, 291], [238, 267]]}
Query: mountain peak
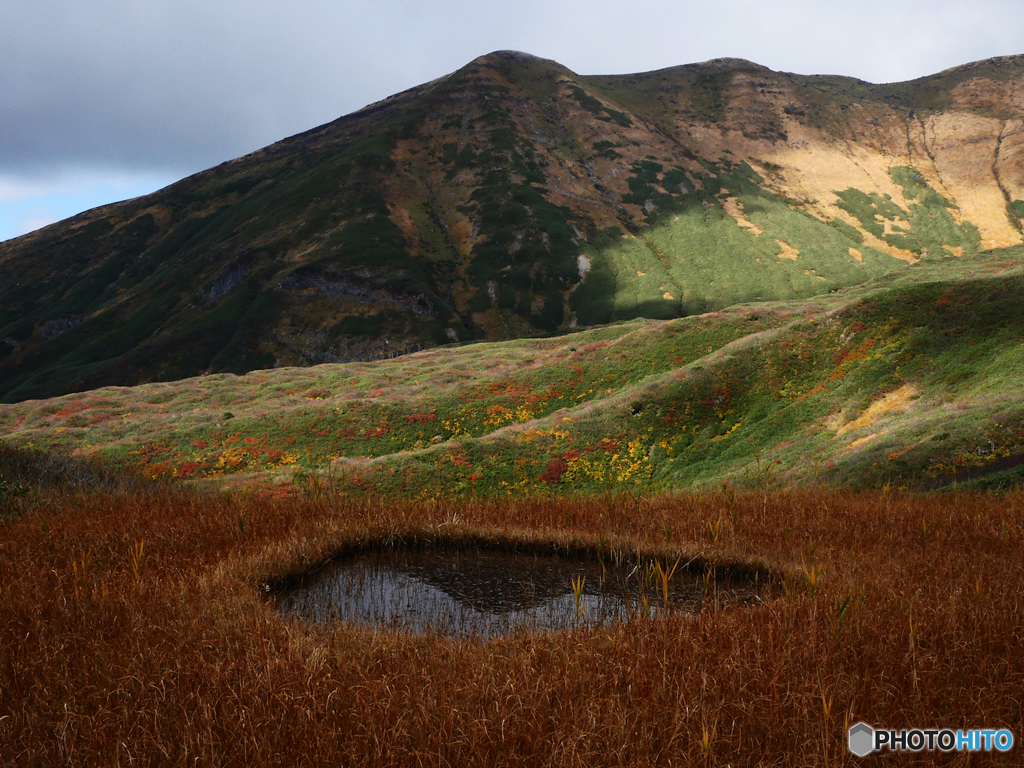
{"points": [[521, 58], [515, 198], [510, 54], [728, 63], [997, 62]]}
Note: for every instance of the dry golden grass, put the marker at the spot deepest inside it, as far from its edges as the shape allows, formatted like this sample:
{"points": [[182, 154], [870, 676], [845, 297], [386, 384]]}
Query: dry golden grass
{"points": [[133, 632]]}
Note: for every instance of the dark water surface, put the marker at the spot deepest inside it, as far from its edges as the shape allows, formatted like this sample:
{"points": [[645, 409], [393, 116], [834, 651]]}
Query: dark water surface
{"points": [[488, 592]]}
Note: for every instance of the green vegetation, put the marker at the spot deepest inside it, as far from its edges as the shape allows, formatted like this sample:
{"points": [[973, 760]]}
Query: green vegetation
{"points": [[848, 231], [606, 148], [926, 226], [595, 107], [931, 344], [867, 208], [701, 256], [932, 225], [528, 255], [849, 388], [1015, 210]]}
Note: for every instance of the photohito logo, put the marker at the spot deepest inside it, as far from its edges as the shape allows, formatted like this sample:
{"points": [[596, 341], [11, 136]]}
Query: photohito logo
{"points": [[863, 739]]}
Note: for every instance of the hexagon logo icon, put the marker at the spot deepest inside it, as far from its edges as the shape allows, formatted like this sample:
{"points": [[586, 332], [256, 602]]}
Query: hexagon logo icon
{"points": [[861, 739]]}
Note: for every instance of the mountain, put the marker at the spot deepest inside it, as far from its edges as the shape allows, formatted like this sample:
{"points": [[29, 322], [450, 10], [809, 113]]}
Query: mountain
{"points": [[515, 198], [909, 381]]}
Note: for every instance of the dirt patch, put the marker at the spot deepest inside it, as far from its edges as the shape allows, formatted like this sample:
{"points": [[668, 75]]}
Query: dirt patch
{"points": [[954, 151], [964, 149], [895, 402], [733, 208], [788, 251], [864, 440], [399, 214]]}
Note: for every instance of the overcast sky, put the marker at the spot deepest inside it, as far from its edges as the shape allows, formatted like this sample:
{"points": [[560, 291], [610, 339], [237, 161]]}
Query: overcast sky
{"points": [[101, 100]]}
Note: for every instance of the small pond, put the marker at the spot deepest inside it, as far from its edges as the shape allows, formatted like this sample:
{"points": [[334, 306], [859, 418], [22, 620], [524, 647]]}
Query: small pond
{"points": [[460, 591]]}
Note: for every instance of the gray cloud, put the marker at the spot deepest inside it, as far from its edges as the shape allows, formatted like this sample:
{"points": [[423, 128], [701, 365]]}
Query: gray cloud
{"points": [[178, 85]]}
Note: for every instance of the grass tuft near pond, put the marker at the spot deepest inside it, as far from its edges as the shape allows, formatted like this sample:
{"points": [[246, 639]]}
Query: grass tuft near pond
{"points": [[134, 630]]}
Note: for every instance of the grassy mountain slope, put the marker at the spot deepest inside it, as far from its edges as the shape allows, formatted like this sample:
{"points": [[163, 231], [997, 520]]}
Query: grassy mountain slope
{"points": [[511, 199], [911, 379]]}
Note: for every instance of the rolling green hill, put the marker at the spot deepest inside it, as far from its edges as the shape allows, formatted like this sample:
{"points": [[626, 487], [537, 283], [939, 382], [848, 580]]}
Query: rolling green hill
{"points": [[516, 199], [911, 380]]}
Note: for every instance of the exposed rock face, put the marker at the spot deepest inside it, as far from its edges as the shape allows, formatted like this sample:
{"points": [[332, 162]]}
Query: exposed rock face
{"points": [[515, 197]]}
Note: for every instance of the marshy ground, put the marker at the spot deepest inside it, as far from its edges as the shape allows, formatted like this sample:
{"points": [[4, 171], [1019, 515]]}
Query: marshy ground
{"points": [[488, 588], [134, 629]]}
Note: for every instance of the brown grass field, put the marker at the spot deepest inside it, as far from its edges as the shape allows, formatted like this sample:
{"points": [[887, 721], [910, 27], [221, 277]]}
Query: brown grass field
{"points": [[133, 631]]}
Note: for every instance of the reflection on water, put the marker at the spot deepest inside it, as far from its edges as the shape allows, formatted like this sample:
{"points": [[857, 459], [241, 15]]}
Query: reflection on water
{"points": [[488, 593]]}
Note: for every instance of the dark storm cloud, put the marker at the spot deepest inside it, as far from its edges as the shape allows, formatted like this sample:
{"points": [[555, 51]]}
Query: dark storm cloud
{"points": [[178, 85]]}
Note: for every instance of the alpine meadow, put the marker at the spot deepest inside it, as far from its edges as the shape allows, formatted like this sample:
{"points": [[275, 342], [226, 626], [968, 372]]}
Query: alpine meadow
{"points": [[712, 321]]}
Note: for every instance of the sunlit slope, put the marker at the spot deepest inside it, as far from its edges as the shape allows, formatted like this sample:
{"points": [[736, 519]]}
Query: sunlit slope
{"points": [[515, 198], [916, 383], [912, 379]]}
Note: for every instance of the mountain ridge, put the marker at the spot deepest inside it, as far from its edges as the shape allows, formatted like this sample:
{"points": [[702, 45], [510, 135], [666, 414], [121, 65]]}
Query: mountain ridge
{"points": [[513, 198]]}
